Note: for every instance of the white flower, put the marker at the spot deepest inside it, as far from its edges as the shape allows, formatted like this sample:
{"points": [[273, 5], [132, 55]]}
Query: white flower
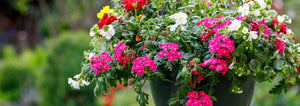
{"points": [[84, 83], [289, 21], [73, 83], [244, 10], [289, 31], [298, 49], [109, 33], [253, 35], [245, 30], [261, 3], [256, 13], [235, 25], [77, 76], [181, 18], [173, 27], [290, 49], [92, 33], [280, 18], [231, 66]]}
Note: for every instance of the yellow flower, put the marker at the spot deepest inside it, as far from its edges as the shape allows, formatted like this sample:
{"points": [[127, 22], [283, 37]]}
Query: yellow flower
{"points": [[105, 9]]}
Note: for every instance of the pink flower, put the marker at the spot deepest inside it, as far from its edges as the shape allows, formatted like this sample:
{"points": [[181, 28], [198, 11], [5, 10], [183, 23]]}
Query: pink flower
{"points": [[143, 47], [205, 101], [198, 99], [141, 62], [98, 61], [169, 50], [215, 64], [122, 56], [279, 45], [152, 39], [221, 45], [193, 94]]}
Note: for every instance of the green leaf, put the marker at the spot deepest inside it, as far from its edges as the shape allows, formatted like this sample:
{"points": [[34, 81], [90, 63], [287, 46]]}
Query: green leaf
{"points": [[261, 28], [240, 50], [243, 58], [278, 89], [253, 64]]}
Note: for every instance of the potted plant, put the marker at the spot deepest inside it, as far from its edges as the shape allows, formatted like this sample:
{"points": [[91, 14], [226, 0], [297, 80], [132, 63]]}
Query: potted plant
{"points": [[193, 52]]}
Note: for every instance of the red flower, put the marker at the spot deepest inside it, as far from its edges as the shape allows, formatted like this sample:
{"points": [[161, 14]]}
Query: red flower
{"points": [[129, 4], [111, 19], [279, 45], [294, 39], [274, 22], [298, 68], [100, 25], [106, 20], [283, 28]]}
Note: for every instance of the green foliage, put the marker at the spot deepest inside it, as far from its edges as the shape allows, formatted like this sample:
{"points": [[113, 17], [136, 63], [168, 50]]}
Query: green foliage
{"points": [[13, 78], [17, 73], [63, 62]]}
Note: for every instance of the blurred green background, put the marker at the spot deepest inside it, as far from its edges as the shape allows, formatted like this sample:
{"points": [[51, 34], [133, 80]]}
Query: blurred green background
{"points": [[42, 44]]}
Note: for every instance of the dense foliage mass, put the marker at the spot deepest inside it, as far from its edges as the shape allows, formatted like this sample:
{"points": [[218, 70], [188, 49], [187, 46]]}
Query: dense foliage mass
{"points": [[190, 41]]}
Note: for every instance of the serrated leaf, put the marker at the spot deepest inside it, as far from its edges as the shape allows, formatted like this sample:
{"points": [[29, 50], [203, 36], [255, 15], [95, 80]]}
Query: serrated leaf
{"points": [[278, 89]]}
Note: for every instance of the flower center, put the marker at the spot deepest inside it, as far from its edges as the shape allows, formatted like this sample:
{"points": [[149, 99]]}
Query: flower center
{"points": [[245, 10], [107, 31], [180, 18]]}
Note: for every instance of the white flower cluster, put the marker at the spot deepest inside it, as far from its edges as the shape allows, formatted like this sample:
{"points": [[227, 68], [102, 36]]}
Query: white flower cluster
{"points": [[107, 34], [180, 19], [76, 84]]}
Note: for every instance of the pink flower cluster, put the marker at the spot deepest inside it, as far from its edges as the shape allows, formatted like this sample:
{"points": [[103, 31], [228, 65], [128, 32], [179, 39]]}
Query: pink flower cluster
{"points": [[215, 64], [254, 26], [212, 26], [221, 45], [121, 56], [169, 50], [118, 51], [279, 45], [100, 61], [141, 62], [198, 99]]}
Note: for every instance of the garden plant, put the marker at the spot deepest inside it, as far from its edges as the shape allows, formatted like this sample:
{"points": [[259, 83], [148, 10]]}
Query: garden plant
{"points": [[191, 44]]}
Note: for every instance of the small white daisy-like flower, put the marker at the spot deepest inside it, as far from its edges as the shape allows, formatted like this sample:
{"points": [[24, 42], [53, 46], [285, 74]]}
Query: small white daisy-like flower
{"points": [[256, 13], [235, 25], [109, 33], [253, 35], [245, 30], [289, 31], [280, 18], [244, 10], [261, 3], [73, 83]]}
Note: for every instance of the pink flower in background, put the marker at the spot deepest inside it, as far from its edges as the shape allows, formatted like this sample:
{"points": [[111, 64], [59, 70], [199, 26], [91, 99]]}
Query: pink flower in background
{"points": [[169, 50], [221, 45], [143, 47], [141, 62], [99, 62], [152, 39], [279, 45], [198, 99], [215, 64]]}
